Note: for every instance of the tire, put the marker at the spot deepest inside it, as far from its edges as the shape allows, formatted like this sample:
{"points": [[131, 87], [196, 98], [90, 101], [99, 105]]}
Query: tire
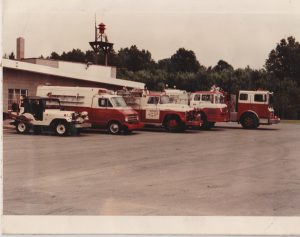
{"points": [[22, 128], [249, 121], [173, 124], [61, 128], [114, 128]]}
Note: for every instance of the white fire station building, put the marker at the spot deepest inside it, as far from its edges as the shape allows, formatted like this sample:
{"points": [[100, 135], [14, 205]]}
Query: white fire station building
{"points": [[22, 76]]}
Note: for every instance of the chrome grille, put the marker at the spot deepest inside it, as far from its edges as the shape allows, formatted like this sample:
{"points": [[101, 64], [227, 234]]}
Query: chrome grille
{"points": [[132, 118]]}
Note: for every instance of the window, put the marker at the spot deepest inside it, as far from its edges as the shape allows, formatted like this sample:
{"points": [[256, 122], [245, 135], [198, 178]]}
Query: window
{"points": [[164, 99], [118, 102], [153, 100], [243, 96], [14, 96], [104, 103], [197, 97], [207, 98], [260, 98]]}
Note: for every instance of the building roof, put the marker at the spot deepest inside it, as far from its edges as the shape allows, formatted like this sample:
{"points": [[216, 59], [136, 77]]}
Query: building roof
{"points": [[79, 71]]}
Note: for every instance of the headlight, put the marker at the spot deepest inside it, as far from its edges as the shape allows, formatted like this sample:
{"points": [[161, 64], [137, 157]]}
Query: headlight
{"points": [[137, 117], [126, 119]]}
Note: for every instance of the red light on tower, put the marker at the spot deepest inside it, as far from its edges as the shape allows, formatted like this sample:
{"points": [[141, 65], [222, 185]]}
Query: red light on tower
{"points": [[101, 28]]}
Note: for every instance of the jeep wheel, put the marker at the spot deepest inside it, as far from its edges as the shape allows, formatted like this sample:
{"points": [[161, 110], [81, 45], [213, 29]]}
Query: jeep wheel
{"points": [[61, 129], [249, 121], [22, 128], [114, 128], [173, 124]]}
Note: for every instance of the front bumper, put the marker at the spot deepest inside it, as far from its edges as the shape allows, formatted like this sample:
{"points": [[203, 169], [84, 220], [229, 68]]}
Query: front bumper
{"points": [[274, 120], [193, 123], [134, 126]]}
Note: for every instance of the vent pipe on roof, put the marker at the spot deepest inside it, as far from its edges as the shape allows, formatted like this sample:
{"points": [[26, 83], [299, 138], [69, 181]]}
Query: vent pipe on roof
{"points": [[20, 48]]}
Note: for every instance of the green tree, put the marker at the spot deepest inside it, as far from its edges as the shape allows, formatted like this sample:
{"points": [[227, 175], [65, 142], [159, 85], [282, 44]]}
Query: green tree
{"points": [[222, 65], [283, 67], [134, 59], [54, 56], [11, 56], [284, 60], [184, 61]]}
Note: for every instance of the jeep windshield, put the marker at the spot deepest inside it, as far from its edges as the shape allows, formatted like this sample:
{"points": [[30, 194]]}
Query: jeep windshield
{"points": [[118, 102]]}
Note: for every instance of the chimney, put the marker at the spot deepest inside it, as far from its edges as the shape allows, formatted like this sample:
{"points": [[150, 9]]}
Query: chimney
{"points": [[20, 48]]}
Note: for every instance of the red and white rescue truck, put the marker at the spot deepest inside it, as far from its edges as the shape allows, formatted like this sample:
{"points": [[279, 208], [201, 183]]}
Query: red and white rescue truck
{"points": [[251, 108], [210, 104], [105, 109], [155, 109]]}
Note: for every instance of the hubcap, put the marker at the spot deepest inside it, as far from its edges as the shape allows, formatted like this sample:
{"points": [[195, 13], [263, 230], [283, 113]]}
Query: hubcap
{"points": [[114, 128], [249, 121], [61, 128], [21, 127], [172, 123]]}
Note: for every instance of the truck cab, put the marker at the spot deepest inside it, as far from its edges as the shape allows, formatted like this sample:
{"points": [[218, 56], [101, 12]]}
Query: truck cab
{"points": [[38, 113], [111, 111], [253, 108], [156, 109]]}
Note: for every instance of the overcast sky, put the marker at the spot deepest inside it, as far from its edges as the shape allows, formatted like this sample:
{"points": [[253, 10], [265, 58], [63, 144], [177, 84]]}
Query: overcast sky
{"points": [[239, 32]]}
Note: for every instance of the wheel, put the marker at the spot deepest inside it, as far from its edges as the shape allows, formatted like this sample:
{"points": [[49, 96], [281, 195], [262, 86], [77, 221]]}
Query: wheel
{"points": [[173, 124], [22, 128], [61, 128], [249, 121], [114, 128]]}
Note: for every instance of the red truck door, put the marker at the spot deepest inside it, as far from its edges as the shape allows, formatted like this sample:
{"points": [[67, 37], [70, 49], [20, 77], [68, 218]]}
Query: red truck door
{"points": [[101, 111]]}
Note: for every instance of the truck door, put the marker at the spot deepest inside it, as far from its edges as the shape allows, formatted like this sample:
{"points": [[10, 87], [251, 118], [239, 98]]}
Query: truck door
{"points": [[151, 109], [101, 113]]}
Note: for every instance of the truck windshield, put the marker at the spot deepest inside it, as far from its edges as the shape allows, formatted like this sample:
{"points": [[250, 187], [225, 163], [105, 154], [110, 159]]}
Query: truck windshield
{"points": [[118, 102]]}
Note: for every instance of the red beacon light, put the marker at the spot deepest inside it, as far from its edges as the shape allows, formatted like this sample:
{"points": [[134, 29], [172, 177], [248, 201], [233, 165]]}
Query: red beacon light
{"points": [[101, 28], [102, 91]]}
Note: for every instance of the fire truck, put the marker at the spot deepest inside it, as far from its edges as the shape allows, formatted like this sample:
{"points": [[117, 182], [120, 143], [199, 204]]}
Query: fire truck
{"points": [[251, 108], [210, 104], [155, 109], [105, 108], [45, 114]]}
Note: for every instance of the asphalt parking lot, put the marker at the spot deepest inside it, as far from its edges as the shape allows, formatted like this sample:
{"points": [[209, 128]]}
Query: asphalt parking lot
{"points": [[225, 171]]}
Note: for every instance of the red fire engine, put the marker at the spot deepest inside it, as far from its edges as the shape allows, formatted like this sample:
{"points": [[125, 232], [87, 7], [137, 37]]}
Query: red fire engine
{"points": [[251, 108], [105, 109], [155, 109]]}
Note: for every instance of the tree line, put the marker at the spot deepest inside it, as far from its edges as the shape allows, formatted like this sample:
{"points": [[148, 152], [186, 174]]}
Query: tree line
{"points": [[280, 74]]}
